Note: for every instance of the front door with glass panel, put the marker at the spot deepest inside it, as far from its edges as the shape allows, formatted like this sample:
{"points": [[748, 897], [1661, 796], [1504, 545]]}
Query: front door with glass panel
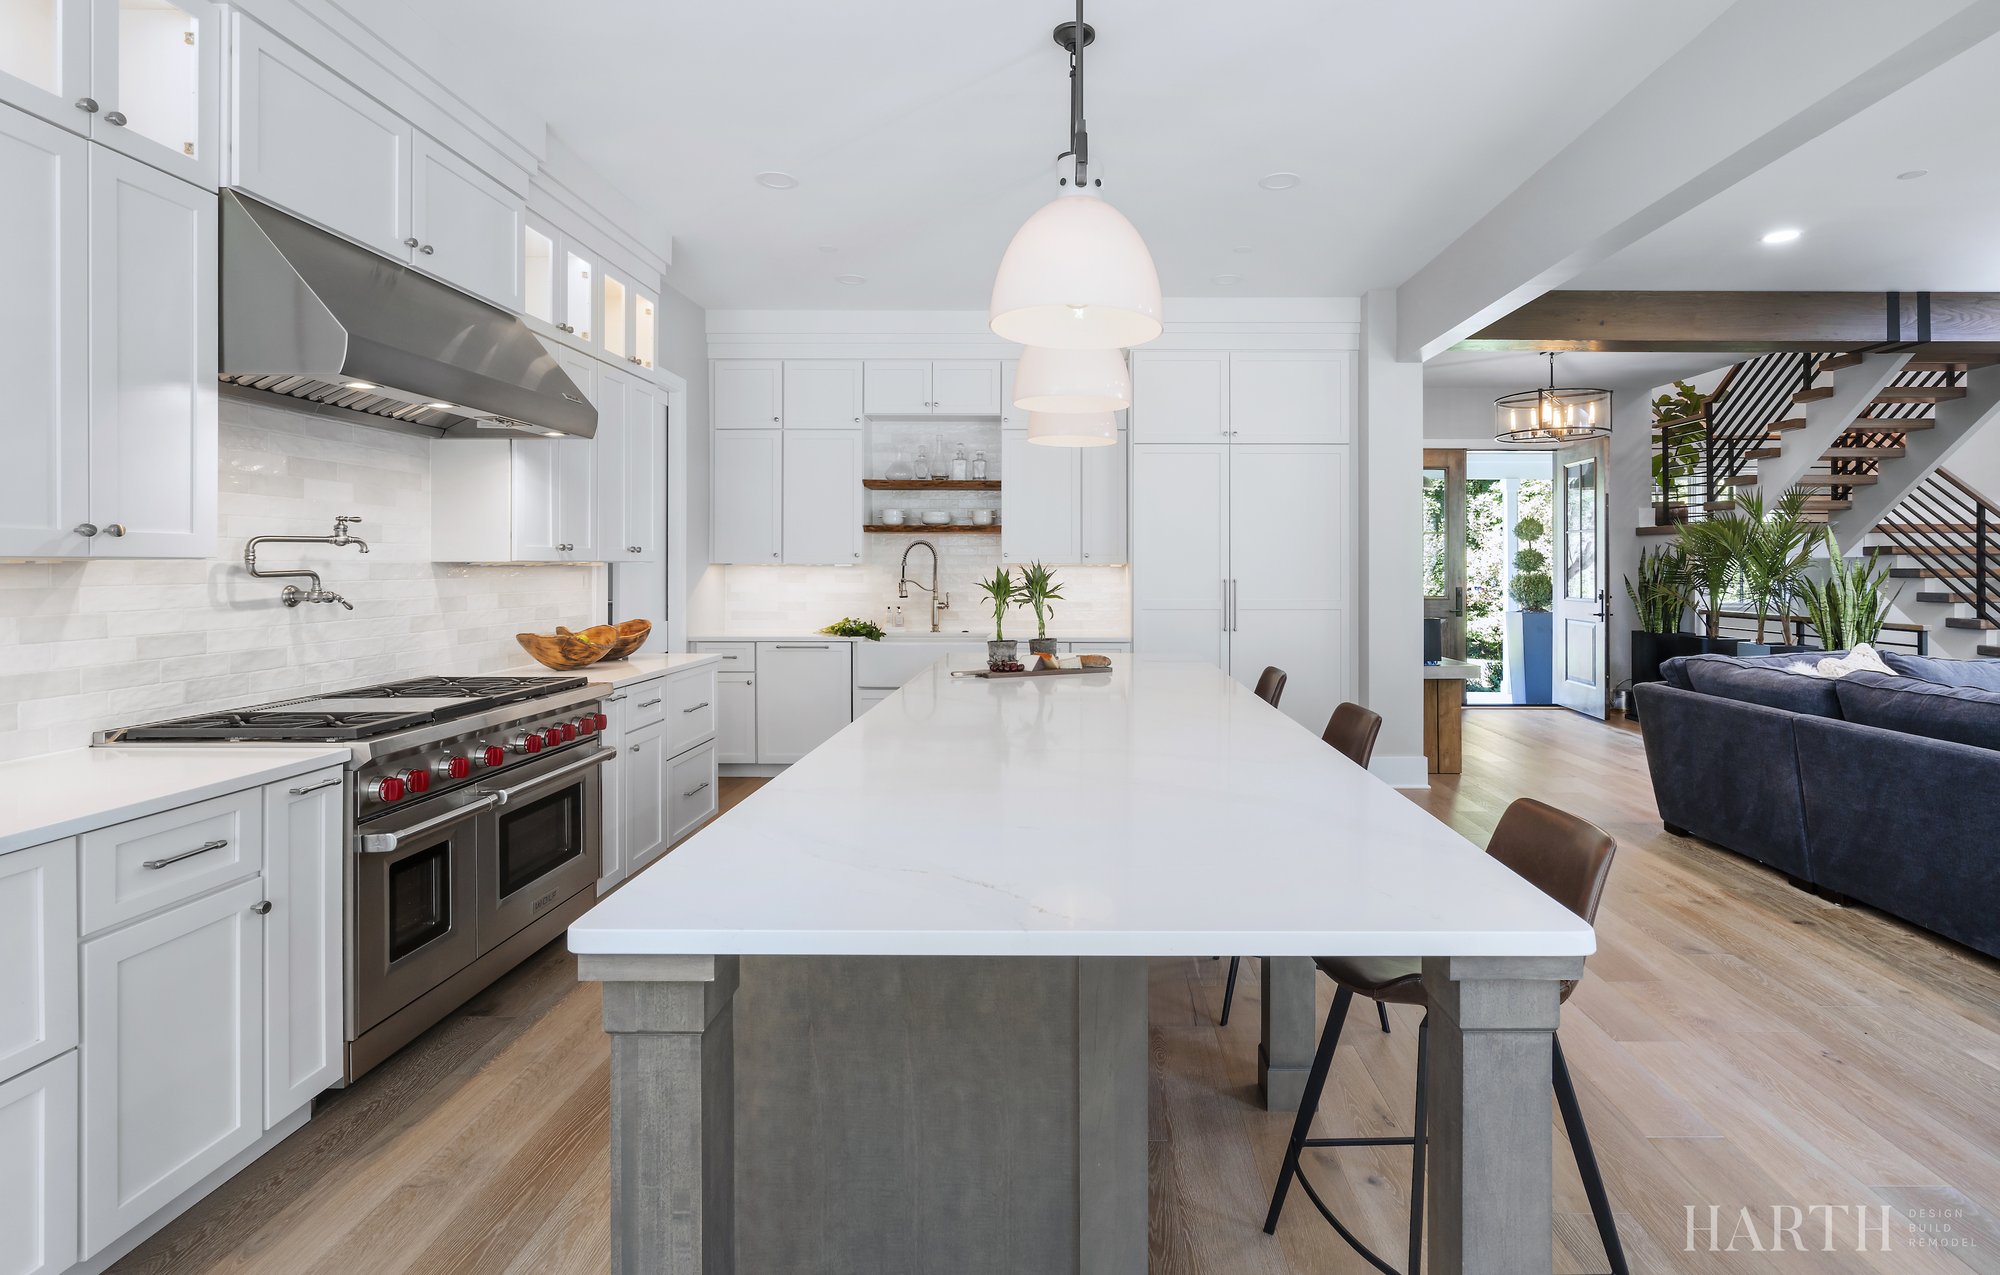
{"points": [[1444, 548], [1583, 599]]}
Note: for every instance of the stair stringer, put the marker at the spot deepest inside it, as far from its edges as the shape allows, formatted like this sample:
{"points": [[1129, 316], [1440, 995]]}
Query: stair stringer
{"points": [[1827, 419], [1956, 421]]}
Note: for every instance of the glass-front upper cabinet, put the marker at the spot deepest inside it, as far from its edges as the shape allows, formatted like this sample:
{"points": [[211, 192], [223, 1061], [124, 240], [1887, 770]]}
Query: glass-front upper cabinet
{"points": [[645, 328], [617, 318], [579, 292], [139, 76], [561, 288]]}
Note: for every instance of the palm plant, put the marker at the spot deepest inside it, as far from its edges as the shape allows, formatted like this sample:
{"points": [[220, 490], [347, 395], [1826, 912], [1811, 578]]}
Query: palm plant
{"points": [[1039, 588], [1002, 591], [1847, 608], [1661, 594], [1776, 548], [1713, 549]]}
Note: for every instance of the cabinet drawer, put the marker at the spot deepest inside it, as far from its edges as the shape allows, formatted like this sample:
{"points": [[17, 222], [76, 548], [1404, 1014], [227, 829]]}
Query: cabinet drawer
{"points": [[737, 657], [691, 796], [645, 703], [37, 957], [691, 711], [133, 868], [38, 1212]]}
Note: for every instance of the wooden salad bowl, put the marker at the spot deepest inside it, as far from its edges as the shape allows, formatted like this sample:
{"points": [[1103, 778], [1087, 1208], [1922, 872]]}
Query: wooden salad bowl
{"points": [[562, 650], [618, 640]]}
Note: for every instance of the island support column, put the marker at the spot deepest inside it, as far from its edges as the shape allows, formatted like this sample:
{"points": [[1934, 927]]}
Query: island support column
{"points": [[1492, 1172], [673, 1073], [1290, 1024]]}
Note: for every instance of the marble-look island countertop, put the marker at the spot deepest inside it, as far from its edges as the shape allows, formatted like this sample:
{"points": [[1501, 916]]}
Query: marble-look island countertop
{"points": [[619, 672], [1158, 809]]}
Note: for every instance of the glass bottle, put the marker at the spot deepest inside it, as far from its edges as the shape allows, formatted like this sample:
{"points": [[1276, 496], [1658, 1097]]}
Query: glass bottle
{"points": [[979, 466], [900, 470], [959, 470], [923, 463]]}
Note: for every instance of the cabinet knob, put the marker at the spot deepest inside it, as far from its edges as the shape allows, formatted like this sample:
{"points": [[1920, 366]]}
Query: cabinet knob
{"points": [[411, 242], [114, 529], [116, 117], [86, 529], [88, 105], [427, 250], [774, 420], [262, 907]]}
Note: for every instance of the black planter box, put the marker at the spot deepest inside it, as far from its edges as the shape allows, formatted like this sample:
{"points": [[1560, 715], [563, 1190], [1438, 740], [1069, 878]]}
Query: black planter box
{"points": [[1696, 644]]}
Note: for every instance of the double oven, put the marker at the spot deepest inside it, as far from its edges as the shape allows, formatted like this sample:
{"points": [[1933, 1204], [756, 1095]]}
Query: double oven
{"points": [[448, 892]]}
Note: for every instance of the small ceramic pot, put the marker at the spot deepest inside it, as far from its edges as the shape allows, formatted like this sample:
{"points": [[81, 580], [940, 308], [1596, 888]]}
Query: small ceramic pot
{"points": [[982, 517], [1001, 654], [1042, 646]]}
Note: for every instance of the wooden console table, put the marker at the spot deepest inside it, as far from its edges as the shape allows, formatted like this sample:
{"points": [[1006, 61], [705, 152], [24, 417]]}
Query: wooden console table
{"points": [[1444, 698]]}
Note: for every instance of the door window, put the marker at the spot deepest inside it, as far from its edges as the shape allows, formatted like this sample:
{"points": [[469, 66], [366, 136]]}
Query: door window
{"points": [[1580, 529]]}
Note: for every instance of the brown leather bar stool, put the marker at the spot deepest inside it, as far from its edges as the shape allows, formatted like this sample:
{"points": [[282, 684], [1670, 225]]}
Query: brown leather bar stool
{"points": [[1352, 731], [1271, 685], [1569, 859]]}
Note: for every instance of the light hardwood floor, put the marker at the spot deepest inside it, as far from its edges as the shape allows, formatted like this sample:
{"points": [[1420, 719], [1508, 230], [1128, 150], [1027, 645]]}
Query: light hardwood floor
{"points": [[1736, 1042]]}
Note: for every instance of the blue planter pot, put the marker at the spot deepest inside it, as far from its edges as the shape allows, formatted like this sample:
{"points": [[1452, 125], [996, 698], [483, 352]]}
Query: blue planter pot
{"points": [[1538, 631]]}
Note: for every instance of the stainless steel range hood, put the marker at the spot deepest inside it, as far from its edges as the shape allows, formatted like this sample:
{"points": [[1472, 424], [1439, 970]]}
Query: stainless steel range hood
{"points": [[320, 325]]}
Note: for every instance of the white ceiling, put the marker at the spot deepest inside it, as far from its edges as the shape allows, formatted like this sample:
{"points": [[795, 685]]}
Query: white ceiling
{"points": [[923, 133], [1504, 371], [1863, 229]]}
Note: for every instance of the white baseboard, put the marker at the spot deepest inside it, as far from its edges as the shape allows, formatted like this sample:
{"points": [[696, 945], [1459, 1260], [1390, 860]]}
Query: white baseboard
{"points": [[1402, 772]]}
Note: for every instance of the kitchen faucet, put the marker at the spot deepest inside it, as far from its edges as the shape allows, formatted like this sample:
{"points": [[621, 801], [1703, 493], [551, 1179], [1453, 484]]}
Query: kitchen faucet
{"points": [[293, 595], [939, 601]]}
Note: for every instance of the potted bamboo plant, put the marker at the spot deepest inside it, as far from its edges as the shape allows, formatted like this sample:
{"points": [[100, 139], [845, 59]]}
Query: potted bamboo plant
{"points": [[1040, 589], [1002, 591], [1847, 608], [1659, 598], [1777, 546], [1713, 550]]}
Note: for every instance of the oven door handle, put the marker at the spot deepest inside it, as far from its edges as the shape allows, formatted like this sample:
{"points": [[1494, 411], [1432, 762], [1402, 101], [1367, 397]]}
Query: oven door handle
{"points": [[390, 842], [501, 796]]}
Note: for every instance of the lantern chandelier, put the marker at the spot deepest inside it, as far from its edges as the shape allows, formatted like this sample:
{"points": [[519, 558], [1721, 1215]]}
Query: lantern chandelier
{"points": [[1076, 275], [1552, 414]]}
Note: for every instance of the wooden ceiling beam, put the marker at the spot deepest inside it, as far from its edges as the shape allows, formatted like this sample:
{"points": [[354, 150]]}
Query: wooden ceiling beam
{"points": [[1936, 325]]}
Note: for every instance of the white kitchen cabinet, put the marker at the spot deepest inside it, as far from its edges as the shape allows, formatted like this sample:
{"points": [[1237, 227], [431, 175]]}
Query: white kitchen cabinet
{"points": [[747, 476], [153, 450], [172, 1067], [691, 791], [644, 488], [1180, 396], [1180, 563], [690, 709], [645, 328], [140, 76], [38, 932], [555, 485], [520, 500], [1011, 417], [746, 393], [290, 119], [304, 940], [867, 697], [38, 1173], [736, 718], [44, 335], [560, 284], [619, 722], [1290, 396], [932, 387], [1288, 538], [467, 226], [1040, 519], [822, 394], [645, 764], [1102, 502], [142, 865], [823, 497], [805, 694]]}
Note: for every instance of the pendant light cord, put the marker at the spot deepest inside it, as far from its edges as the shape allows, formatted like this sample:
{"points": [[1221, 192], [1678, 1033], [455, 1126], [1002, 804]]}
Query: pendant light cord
{"points": [[1079, 134]]}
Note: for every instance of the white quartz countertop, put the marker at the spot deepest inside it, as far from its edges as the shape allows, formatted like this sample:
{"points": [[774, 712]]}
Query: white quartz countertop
{"points": [[1450, 670], [919, 634], [60, 794], [621, 672], [1157, 809]]}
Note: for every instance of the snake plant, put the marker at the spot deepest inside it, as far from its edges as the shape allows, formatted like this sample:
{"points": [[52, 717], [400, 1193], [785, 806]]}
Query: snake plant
{"points": [[1847, 608], [1661, 593]]}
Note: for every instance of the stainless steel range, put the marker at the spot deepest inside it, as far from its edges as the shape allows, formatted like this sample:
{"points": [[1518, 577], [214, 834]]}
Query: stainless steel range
{"points": [[475, 819]]}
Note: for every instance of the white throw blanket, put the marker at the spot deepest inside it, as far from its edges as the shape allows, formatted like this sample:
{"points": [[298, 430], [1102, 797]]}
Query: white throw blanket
{"points": [[1862, 659]]}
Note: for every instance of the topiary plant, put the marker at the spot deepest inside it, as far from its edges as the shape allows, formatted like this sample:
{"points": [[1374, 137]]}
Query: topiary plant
{"points": [[1531, 587]]}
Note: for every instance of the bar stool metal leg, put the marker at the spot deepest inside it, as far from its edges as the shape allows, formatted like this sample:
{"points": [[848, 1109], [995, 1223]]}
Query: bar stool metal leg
{"points": [[1229, 990], [1382, 1012], [1421, 1130], [1308, 1104], [1586, 1163]]}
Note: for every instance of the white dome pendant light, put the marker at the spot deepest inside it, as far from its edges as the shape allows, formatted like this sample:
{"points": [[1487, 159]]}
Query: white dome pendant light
{"points": [[1076, 276], [1073, 429], [1072, 381]]}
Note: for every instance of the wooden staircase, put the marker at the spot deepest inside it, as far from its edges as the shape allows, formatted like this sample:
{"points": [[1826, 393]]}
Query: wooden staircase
{"points": [[1947, 536]]}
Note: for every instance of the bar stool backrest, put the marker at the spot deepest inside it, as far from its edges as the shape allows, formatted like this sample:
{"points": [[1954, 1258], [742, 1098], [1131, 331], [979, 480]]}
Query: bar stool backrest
{"points": [[1352, 730], [1566, 858], [1271, 685]]}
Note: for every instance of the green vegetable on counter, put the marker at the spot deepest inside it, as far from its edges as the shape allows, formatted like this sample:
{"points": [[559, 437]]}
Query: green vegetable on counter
{"points": [[848, 626]]}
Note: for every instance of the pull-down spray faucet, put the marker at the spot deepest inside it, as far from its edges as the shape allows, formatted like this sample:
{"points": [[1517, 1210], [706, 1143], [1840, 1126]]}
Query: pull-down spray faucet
{"points": [[293, 595]]}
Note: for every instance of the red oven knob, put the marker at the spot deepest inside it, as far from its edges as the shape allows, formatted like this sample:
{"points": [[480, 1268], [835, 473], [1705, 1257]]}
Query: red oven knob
{"points": [[388, 788], [528, 744], [552, 736], [492, 755], [603, 722], [587, 724], [570, 731], [455, 767], [417, 781]]}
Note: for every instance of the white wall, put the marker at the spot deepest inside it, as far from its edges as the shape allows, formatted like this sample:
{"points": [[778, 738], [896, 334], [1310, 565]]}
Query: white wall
{"points": [[90, 645], [1391, 571]]}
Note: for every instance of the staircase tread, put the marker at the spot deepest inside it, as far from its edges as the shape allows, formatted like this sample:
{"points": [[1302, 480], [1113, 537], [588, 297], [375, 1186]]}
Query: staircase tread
{"points": [[1918, 394], [1895, 424], [1934, 573], [1835, 362], [1959, 528], [1955, 363], [1813, 395], [1892, 452], [1970, 622]]}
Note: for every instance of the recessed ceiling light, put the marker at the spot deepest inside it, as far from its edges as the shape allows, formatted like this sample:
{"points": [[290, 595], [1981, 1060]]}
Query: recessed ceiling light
{"points": [[1278, 181], [1225, 279], [777, 181], [1912, 175], [1784, 235], [851, 280]]}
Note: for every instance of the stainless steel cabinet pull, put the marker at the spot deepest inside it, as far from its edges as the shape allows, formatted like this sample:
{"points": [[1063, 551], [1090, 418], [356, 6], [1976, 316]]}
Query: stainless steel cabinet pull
{"points": [[697, 708], [324, 783], [386, 842], [613, 699], [262, 907], [203, 848], [502, 796], [648, 703], [697, 788], [801, 646], [116, 117]]}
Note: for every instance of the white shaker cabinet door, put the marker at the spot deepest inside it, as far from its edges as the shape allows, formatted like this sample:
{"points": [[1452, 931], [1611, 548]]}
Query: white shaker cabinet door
{"points": [[805, 695], [645, 478], [173, 1073], [1180, 396], [965, 387], [1289, 396], [38, 929], [45, 62], [44, 338], [897, 387], [1180, 567], [38, 1209], [156, 75], [747, 472], [153, 450], [304, 939], [746, 393], [1103, 502], [645, 764], [823, 497], [1289, 542], [736, 718], [467, 226], [822, 393], [1039, 509]]}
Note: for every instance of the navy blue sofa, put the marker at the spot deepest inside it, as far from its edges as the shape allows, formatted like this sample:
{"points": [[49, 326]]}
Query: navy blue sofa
{"points": [[1883, 789]]}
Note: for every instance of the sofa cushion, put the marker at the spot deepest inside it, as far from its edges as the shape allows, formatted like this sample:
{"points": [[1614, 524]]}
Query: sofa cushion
{"points": [[1749, 683], [1981, 675], [1674, 671], [1961, 715]]}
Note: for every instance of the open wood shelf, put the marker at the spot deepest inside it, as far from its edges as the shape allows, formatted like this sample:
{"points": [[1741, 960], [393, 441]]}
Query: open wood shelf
{"points": [[917, 528], [930, 484]]}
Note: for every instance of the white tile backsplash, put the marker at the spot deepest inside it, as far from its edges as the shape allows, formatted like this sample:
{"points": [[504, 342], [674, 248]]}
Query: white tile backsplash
{"points": [[88, 645]]}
